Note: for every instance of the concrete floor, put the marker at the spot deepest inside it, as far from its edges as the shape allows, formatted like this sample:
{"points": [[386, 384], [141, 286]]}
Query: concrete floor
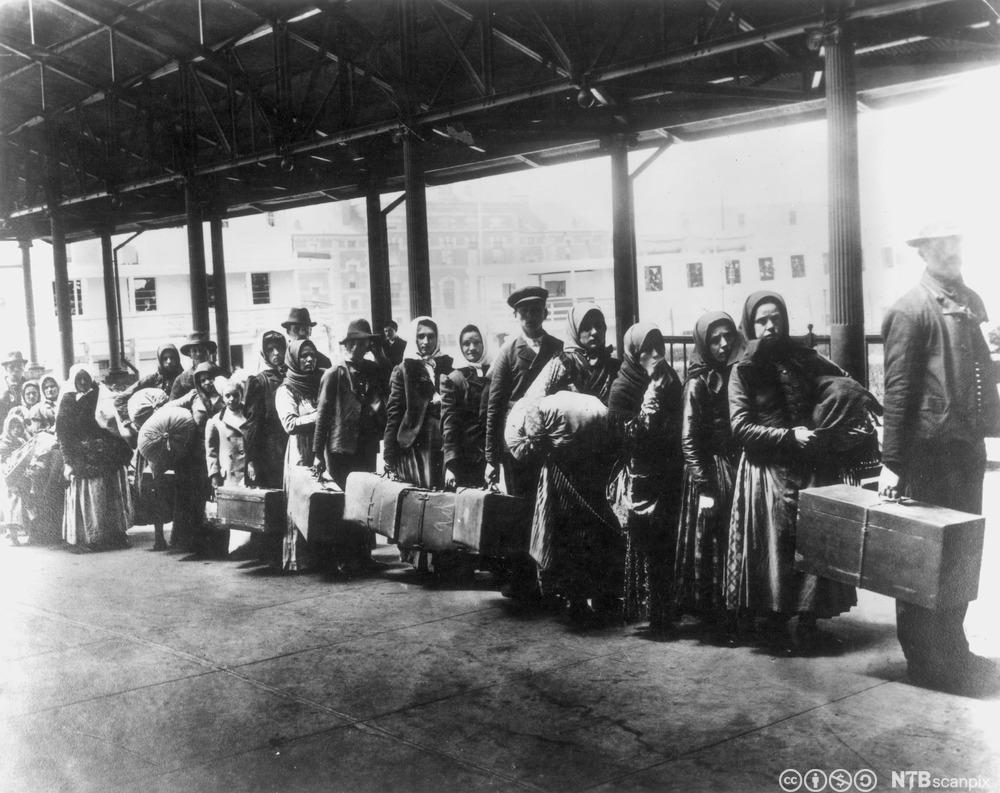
{"points": [[140, 671]]}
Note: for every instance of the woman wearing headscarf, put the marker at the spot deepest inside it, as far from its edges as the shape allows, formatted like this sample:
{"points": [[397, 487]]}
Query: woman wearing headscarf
{"points": [[585, 364], [44, 500], [190, 530], [412, 441], [644, 411], [14, 456], [295, 402], [31, 394], [266, 439], [772, 396], [50, 391], [462, 429], [710, 458], [98, 505], [351, 408], [168, 366]]}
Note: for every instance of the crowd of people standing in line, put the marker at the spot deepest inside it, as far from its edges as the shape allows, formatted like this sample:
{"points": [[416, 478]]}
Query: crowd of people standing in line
{"points": [[654, 496]]}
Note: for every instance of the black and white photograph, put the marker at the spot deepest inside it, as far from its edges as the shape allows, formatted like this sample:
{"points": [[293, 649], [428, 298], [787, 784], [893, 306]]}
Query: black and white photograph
{"points": [[507, 396]]}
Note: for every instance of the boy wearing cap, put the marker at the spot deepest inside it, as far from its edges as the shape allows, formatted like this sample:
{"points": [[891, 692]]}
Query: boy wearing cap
{"points": [[517, 365], [940, 402]]}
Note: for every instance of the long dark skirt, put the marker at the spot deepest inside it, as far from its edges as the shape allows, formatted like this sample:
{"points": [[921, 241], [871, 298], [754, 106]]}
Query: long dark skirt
{"points": [[700, 564], [760, 573], [579, 552], [649, 560]]}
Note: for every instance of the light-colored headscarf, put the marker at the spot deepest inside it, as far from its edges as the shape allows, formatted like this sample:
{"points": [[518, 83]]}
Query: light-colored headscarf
{"points": [[411, 339], [574, 321], [29, 385], [484, 358]]}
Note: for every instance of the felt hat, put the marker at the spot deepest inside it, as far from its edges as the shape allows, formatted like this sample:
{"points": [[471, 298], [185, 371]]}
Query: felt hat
{"points": [[14, 359], [198, 339], [934, 230], [358, 329], [298, 316]]}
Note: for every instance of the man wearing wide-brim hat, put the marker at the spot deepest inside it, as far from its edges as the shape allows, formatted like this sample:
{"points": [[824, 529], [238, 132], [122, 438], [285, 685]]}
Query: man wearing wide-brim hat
{"points": [[200, 349], [940, 402], [13, 373], [299, 326]]}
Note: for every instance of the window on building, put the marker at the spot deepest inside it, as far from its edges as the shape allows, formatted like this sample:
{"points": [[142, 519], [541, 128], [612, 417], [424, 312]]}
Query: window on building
{"points": [[75, 298], [448, 293], [260, 288], [793, 218], [556, 288], [733, 272], [270, 218], [766, 265], [798, 266], [696, 275], [888, 257], [654, 278], [145, 294], [210, 282], [508, 290]]}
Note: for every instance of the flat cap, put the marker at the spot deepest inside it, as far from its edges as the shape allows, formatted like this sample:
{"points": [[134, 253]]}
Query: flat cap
{"points": [[527, 294]]}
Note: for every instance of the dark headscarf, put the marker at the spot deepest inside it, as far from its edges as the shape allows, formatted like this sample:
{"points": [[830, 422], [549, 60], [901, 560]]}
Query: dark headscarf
{"points": [[702, 360], [304, 385], [46, 379], [273, 338], [759, 349], [168, 374], [632, 380]]}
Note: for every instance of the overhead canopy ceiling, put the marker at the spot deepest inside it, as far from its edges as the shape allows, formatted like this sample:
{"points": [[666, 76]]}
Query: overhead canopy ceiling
{"points": [[107, 108]]}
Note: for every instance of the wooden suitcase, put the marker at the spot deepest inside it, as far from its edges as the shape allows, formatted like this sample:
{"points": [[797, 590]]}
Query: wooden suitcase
{"points": [[916, 552], [315, 506], [426, 520], [373, 502], [257, 510], [491, 523]]}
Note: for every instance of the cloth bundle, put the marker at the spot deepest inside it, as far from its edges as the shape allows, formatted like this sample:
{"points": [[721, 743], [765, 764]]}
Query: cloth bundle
{"points": [[558, 422], [166, 437]]}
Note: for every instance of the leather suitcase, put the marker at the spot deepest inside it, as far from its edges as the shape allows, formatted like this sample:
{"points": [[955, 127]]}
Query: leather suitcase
{"points": [[426, 520], [491, 523], [915, 552], [257, 510], [315, 506], [373, 502]]}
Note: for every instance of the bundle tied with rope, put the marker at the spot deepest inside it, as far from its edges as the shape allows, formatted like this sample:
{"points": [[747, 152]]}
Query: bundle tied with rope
{"points": [[166, 437]]}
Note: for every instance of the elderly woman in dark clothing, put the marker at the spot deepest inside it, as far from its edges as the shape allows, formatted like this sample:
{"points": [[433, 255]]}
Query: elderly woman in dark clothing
{"points": [[462, 413], [266, 439], [710, 458], [772, 396], [97, 500], [295, 402], [351, 409], [191, 477], [168, 367], [644, 410], [412, 442]]}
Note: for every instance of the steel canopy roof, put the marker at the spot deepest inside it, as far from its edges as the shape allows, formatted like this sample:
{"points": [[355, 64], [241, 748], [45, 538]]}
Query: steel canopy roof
{"points": [[108, 108]]}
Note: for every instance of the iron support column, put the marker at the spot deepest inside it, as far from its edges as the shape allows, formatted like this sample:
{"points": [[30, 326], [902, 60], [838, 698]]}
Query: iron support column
{"points": [[196, 261], [63, 308], [29, 299], [378, 261], [417, 250], [847, 320], [111, 305], [623, 241], [221, 294]]}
